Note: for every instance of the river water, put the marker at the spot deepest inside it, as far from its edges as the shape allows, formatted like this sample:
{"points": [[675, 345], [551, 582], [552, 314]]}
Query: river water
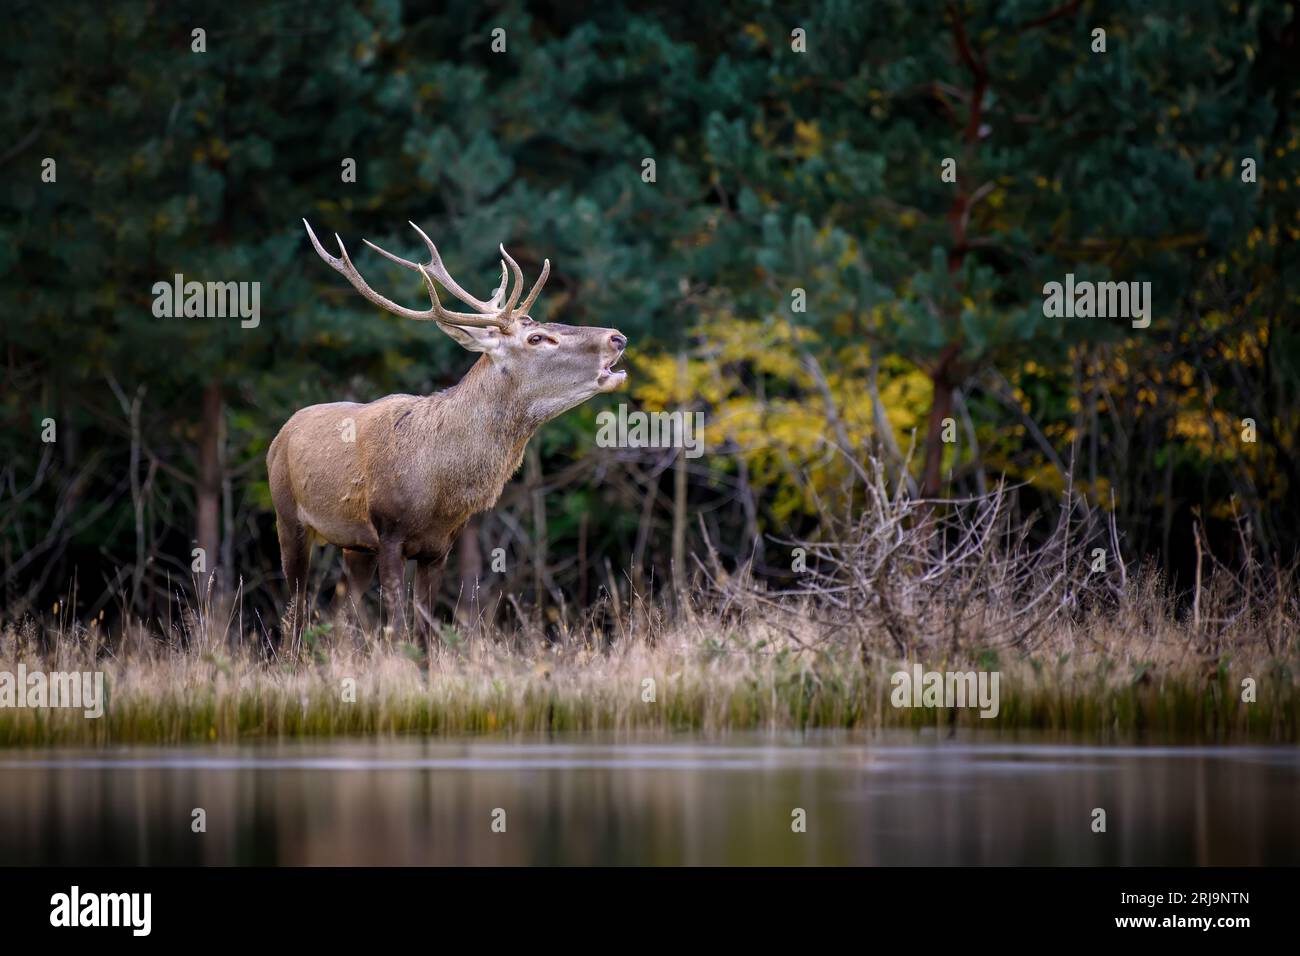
{"points": [[879, 799]]}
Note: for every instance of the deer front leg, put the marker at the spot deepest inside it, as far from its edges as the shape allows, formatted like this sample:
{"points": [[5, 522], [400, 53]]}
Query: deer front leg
{"points": [[428, 582], [358, 572], [392, 593]]}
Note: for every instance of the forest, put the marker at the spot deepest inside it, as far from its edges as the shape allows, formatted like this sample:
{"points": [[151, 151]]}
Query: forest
{"points": [[829, 233]]}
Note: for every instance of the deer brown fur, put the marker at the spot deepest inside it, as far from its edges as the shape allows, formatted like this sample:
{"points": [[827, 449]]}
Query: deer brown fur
{"points": [[398, 478]]}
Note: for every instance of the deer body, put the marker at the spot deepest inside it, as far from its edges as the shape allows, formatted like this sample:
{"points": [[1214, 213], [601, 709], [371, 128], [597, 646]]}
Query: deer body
{"points": [[420, 462], [398, 478]]}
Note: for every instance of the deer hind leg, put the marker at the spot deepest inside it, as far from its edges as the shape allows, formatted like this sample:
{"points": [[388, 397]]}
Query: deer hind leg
{"points": [[392, 591], [295, 559], [358, 572], [428, 582]]}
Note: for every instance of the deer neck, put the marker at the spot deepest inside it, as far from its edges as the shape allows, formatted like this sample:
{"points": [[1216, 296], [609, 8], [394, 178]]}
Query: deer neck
{"points": [[486, 406]]}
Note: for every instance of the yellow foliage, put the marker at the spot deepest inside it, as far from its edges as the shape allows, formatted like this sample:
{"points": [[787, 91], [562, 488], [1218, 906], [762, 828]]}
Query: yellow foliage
{"points": [[808, 139], [1212, 437], [763, 404], [663, 384]]}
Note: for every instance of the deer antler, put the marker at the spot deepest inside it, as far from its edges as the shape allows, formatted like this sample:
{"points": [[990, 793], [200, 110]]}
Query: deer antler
{"points": [[493, 313], [519, 284], [537, 287]]}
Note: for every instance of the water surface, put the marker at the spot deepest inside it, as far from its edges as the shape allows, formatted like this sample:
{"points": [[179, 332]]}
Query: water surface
{"points": [[588, 800]]}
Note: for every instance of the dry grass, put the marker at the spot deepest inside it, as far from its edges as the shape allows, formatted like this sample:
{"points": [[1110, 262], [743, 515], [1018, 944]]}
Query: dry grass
{"points": [[1124, 669], [1083, 648]]}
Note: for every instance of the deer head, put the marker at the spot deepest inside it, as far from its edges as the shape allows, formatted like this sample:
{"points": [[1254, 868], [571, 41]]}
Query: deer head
{"points": [[552, 367]]}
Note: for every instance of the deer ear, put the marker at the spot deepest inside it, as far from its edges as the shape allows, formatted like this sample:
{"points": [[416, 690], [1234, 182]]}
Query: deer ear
{"points": [[472, 337]]}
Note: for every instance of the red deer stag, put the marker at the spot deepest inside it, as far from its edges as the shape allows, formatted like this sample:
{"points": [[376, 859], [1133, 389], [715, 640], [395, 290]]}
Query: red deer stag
{"points": [[397, 478]]}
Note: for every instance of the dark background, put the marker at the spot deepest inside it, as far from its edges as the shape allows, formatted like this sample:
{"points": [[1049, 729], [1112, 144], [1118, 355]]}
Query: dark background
{"points": [[775, 170]]}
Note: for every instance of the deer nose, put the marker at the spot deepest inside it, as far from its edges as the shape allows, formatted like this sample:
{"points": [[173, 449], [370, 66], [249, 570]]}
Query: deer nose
{"points": [[618, 341]]}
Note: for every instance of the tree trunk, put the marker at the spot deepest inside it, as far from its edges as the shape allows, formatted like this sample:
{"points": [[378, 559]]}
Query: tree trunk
{"points": [[208, 486], [679, 524], [534, 478], [471, 570], [679, 501], [945, 375], [940, 408], [583, 522]]}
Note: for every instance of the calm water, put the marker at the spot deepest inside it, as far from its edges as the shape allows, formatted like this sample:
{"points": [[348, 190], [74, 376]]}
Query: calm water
{"points": [[890, 800]]}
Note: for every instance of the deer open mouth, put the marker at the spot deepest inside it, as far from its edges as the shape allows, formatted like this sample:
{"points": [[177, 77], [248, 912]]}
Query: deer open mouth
{"points": [[609, 377]]}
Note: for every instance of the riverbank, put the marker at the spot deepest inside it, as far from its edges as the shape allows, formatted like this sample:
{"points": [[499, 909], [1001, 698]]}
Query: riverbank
{"points": [[1118, 675]]}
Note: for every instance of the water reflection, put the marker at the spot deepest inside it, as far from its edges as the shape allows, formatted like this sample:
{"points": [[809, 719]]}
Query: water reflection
{"points": [[877, 800]]}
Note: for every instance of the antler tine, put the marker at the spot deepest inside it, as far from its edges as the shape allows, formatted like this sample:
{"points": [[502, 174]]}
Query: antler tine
{"points": [[413, 266], [517, 286], [499, 296], [440, 273], [343, 265], [537, 287], [459, 318]]}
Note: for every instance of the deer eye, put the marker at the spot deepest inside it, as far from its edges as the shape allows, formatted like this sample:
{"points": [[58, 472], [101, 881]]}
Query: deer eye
{"points": [[535, 338]]}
